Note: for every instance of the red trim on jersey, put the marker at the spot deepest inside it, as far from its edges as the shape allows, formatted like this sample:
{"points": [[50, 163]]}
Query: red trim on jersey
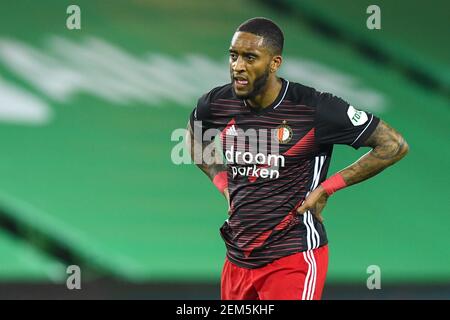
{"points": [[302, 145], [257, 242], [263, 237], [224, 131]]}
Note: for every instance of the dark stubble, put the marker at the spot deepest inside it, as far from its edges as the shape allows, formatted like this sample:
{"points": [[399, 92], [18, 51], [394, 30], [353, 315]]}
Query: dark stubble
{"points": [[258, 86]]}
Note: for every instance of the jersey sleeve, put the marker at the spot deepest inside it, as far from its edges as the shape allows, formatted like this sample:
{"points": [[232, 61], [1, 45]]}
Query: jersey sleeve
{"points": [[201, 117], [337, 122]]}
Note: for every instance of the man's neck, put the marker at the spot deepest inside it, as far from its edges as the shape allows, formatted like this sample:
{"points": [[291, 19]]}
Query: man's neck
{"points": [[268, 94]]}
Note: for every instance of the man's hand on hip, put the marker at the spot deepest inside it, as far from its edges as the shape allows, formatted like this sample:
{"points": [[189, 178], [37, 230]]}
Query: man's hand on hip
{"points": [[315, 202]]}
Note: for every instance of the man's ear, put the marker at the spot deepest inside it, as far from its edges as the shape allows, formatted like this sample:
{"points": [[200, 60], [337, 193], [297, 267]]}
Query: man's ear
{"points": [[275, 63]]}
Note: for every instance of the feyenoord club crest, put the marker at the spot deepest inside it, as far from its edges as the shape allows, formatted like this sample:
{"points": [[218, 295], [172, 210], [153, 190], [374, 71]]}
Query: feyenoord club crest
{"points": [[283, 133]]}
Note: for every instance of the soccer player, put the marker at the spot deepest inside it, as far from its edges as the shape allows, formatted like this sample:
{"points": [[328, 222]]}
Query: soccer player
{"points": [[274, 235]]}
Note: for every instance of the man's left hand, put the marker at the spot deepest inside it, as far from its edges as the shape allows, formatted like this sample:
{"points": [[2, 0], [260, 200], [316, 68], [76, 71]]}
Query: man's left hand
{"points": [[315, 202]]}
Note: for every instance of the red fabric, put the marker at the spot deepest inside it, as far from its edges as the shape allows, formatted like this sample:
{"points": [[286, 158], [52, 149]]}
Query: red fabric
{"points": [[300, 276], [333, 184], [302, 146], [221, 181]]}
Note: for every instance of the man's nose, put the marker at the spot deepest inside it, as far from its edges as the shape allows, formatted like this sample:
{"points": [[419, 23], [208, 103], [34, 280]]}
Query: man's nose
{"points": [[239, 65]]}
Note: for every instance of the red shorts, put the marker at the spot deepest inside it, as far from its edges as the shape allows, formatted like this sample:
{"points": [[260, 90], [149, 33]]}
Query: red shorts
{"points": [[300, 276]]}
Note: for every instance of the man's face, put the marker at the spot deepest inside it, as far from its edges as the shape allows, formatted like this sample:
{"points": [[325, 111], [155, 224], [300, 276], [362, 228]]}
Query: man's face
{"points": [[249, 64]]}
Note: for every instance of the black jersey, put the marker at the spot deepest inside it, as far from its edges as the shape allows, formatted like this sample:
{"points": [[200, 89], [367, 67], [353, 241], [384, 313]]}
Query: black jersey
{"points": [[267, 184]]}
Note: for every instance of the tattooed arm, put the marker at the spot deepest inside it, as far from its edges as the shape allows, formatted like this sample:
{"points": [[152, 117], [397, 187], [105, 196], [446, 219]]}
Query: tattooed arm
{"points": [[211, 166], [388, 148]]}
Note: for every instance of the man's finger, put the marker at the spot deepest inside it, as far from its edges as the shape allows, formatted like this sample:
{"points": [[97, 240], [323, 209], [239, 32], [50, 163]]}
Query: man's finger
{"points": [[318, 216], [302, 209]]}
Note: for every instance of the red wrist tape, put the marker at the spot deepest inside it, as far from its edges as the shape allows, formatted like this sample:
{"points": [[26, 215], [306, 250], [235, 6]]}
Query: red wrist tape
{"points": [[221, 181], [333, 184]]}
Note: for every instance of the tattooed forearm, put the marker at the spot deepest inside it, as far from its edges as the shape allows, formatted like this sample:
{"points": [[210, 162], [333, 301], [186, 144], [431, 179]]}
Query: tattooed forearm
{"points": [[388, 148], [365, 168], [390, 151], [211, 166]]}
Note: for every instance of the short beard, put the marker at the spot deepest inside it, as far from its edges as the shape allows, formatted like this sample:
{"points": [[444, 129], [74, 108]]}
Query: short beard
{"points": [[258, 86]]}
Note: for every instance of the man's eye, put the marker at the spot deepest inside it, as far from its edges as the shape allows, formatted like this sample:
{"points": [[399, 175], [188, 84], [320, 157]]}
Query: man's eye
{"points": [[251, 58], [233, 56]]}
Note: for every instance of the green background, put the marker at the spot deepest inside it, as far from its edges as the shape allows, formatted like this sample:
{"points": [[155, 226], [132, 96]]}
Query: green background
{"points": [[97, 176]]}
